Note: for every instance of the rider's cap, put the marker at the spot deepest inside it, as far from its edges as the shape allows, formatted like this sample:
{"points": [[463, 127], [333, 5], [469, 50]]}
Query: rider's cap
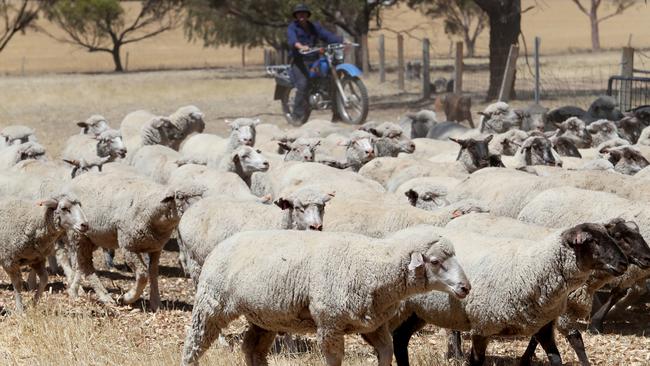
{"points": [[301, 8]]}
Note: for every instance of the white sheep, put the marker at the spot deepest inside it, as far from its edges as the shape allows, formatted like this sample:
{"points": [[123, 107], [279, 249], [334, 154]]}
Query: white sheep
{"points": [[244, 161], [216, 218], [213, 182], [92, 149], [508, 142], [329, 283], [142, 128], [518, 286], [16, 153], [158, 162], [93, 125], [602, 131], [16, 134], [489, 224], [28, 231], [498, 118]]}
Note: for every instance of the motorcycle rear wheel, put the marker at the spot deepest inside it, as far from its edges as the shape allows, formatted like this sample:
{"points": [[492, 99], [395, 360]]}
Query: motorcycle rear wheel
{"points": [[356, 111], [287, 101]]}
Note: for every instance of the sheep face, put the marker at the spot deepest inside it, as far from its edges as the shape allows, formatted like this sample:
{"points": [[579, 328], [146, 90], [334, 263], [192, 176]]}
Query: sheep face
{"points": [[474, 154], [625, 159], [630, 128], [566, 147], [248, 160], [94, 125], [360, 148], [438, 269], [538, 150], [627, 236], [163, 132], [67, 213], [533, 118], [110, 144], [595, 249], [299, 150], [428, 199], [604, 108], [243, 130], [305, 210], [575, 129], [602, 131]]}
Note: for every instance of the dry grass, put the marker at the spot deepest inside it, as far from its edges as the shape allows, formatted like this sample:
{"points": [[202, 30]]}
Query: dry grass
{"points": [[559, 23]]}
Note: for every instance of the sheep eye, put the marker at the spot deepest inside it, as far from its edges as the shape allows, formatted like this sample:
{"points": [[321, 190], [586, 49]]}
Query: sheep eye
{"points": [[258, 151], [435, 262]]}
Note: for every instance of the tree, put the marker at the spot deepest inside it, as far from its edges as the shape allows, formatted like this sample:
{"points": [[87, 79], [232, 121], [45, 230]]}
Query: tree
{"points": [[103, 25], [619, 7], [505, 27], [461, 17], [16, 16]]}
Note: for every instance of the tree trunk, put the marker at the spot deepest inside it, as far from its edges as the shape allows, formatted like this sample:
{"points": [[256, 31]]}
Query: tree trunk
{"points": [[595, 34], [505, 26], [470, 46], [116, 58]]}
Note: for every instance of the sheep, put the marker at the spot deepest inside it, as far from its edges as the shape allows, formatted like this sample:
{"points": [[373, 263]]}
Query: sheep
{"points": [[188, 120], [300, 149], [508, 142], [475, 154], [626, 235], [425, 169], [142, 128], [377, 218], [445, 130], [359, 150], [286, 290], [94, 125], [644, 138], [518, 287], [626, 159], [389, 140], [214, 219], [244, 161], [629, 128], [212, 148], [16, 134], [156, 161], [418, 124], [602, 131], [28, 233], [428, 193], [213, 182], [489, 224], [604, 107], [498, 118], [536, 150], [576, 130], [129, 212], [14, 154], [561, 114], [93, 148], [533, 118], [565, 146]]}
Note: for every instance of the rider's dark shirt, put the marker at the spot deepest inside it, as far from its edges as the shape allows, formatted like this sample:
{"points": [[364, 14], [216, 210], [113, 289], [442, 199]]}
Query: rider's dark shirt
{"points": [[296, 33]]}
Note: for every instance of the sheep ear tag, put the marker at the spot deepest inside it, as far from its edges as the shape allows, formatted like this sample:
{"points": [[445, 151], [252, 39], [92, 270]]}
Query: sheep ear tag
{"points": [[416, 261]]}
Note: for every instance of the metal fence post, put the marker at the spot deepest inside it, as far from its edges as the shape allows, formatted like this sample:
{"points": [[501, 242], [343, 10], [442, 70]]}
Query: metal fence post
{"points": [[508, 76], [382, 59], [426, 77], [400, 62], [538, 42]]}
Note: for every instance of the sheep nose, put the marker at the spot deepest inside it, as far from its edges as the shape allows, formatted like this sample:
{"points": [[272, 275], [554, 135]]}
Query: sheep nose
{"points": [[317, 227], [265, 164], [247, 142], [121, 152], [83, 227], [309, 158]]}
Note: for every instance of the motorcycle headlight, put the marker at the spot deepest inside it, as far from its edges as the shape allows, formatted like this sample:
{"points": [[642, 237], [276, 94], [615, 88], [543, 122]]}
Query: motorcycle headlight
{"points": [[339, 55]]}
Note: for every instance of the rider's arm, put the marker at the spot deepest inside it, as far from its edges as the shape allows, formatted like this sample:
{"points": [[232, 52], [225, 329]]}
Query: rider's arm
{"points": [[292, 38], [326, 35]]}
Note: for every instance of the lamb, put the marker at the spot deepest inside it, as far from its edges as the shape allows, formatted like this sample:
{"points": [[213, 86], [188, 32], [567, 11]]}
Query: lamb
{"points": [[14, 154], [93, 148], [364, 284], [142, 128], [214, 219], [129, 212], [16, 134], [602, 131], [28, 233], [475, 154], [418, 124], [94, 125], [508, 142], [513, 294], [626, 159]]}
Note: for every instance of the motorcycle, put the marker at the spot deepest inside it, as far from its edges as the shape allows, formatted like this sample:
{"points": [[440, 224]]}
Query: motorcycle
{"points": [[331, 82]]}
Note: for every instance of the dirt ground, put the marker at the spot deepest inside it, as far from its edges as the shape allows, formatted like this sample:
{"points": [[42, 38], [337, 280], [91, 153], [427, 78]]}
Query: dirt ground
{"points": [[62, 331]]}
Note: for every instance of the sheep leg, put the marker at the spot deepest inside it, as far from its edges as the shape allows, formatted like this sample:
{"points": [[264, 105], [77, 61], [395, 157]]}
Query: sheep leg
{"points": [[17, 282], [65, 259], [527, 357], [575, 339], [256, 344], [135, 261], [31, 280], [402, 336], [546, 339], [52, 264], [477, 353], [332, 346], [39, 268], [85, 267], [204, 330], [154, 292], [381, 341], [596, 325], [109, 256], [454, 345]]}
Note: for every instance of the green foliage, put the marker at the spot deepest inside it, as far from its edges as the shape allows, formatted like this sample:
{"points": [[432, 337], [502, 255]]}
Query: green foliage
{"points": [[94, 18]]}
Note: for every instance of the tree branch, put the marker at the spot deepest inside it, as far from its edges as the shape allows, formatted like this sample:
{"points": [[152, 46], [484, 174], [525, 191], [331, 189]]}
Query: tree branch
{"points": [[581, 7]]}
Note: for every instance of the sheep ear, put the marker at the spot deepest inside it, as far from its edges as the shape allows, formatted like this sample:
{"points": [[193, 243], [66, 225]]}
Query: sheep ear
{"points": [[284, 204], [256, 121], [327, 197], [169, 197], [76, 163], [82, 124], [412, 196], [284, 145], [460, 142], [632, 225], [417, 261], [374, 132], [488, 139], [49, 203]]}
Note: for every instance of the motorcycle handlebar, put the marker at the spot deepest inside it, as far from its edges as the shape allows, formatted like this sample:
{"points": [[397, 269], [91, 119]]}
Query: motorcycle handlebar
{"points": [[332, 46]]}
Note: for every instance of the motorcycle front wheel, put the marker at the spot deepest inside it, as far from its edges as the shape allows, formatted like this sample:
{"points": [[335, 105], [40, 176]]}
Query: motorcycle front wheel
{"points": [[356, 110], [287, 101]]}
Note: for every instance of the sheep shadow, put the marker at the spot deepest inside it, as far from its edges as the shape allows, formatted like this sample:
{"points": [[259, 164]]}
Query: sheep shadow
{"points": [[145, 305]]}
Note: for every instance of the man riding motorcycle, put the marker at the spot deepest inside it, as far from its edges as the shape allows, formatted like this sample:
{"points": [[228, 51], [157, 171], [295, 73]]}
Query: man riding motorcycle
{"points": [[302, 35]]}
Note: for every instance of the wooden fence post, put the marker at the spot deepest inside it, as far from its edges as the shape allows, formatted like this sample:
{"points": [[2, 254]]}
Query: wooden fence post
{"points": [[538, 42], [426, 76], [627, 71], [382, 59], [365, 63], [458, 69], [509, 74], [243, 56], [400, 62]]}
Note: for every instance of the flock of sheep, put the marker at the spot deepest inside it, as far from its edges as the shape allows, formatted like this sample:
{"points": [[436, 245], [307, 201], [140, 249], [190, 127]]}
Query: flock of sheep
{"points": [[508, 229]]}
